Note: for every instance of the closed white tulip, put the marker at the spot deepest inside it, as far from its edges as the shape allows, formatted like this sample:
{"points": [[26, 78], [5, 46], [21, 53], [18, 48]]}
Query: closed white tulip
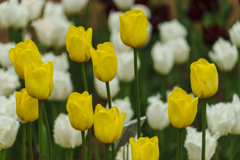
{"points": [[234, 34], [193, 144], [34, 8], [172, 30], [124, 4], [73, 6], [113, 21], [101, 87], [64, 134], [157, 113], [224, 55], [9, 81], [236, 105], [53, 10], [4, 57], [118, 45], [163, 58], [8, 131]]}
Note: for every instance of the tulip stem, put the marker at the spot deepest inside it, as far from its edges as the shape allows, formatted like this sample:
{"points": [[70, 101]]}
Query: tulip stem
{"points": [[30, 141], [84, 145], [137, 94], [71, 154], [113, 150], [40, 129], [2, 157], [24, 141], [227, 86], [84, 79], [231, 148], [180, 144], [204, 127], [106, 150], [217, 151], [48, 133]]}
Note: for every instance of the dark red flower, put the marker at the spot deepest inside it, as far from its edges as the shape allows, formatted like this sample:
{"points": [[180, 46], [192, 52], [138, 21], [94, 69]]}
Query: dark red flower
{"points": [[194, 12], [144, 2]]}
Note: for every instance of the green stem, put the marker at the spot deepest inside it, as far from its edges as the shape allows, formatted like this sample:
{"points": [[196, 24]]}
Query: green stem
{"points": [[48, 133], [71, 154], [227, 85], [2, 157], [180, 144], [30, 141], [24, 141], [137, 94], [238, 71], [106, 151], [217, 151], [84, 79], [231, 147], [84, 145], [40, 106], [204, 127], [113, 151]]}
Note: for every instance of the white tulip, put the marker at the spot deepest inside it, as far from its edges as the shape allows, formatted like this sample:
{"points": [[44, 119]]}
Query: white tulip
{"points": [[181, 50], [64, 134], [62, 86], [4, 57], [73, 6], [224, 55], [101, 87], [118, 45], [172, 30], [144, 8], [123, 104], [8, 131], [221, 118], [236, 106], [193, 144], [34, 8], [54, 10], [8, 106], [157, 113], [163, 58], [234, 34], [60, 61], [123, 4], [125, 69], [9, 81], [113, 21]]}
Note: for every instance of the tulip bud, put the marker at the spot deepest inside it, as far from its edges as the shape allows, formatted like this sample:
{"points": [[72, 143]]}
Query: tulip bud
{"points": [[39, 79], [234, 34], [78, 43], [123, 4], [204, 78], [182, 108], [108, 124], [104, 61], [144, 148], [26, 106], [80, 111], [23, 52]]}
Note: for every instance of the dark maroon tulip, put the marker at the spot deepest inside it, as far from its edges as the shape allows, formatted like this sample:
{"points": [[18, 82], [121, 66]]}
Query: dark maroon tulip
{"points": [[213, 33], [143, 2], [194, 12]]}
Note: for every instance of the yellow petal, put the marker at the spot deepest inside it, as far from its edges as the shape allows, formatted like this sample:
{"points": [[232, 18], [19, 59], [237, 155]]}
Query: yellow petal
{"points": [[135, 148], [191, 112], [100, 108], [120, 125], [124, 31], [154, 140], [175, 114], [29, 108], [175, 92], [149, 151], [195, 83]]}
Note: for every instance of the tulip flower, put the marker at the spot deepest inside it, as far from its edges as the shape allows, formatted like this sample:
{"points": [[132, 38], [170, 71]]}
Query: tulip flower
{"points": [[104, 61], [133, 28], [23, 52], [204, 78], [78, 43], [108, 124], [144, 148], [26, 106], [39, 79], [80, 112], [182, 108]]}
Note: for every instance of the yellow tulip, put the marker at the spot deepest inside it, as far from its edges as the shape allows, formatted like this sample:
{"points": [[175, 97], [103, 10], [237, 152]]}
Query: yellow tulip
{"points": [[78, 43], [108, 124], [182, 108], [133, 28], [144, 148], [80, 111], [104, 61], [39, 79], [204, 78], [26, 106], [23, 52]]}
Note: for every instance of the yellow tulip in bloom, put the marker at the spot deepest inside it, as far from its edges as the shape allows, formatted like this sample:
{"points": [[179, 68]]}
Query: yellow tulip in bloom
{"points": [[80, 111], [182, 108], [108, 124], [204, 78], [39, 79], [133, 28], [78, 43], [26, 106], [144, 148], [104, 61], [23, 52]]}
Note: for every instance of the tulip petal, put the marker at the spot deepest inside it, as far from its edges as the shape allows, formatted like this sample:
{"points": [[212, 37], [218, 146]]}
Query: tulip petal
{"points": [[124, 31], [100, 108], [120, 124], [135, 148], [149, 151], [191, 112], [30, 109], [175, 114], [154, 140], [195, 83], [175, 92]]}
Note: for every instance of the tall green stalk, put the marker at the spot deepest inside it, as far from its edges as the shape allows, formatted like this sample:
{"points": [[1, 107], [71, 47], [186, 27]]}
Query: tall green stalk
{"points": [[106, 151], [71, 154], [84, 145], [227, 86], [231, 147], [86, 89], [48, 134], [24, 142], [180, 144], [137, 94], [40, 135], [30, 141], [204, 127]]}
